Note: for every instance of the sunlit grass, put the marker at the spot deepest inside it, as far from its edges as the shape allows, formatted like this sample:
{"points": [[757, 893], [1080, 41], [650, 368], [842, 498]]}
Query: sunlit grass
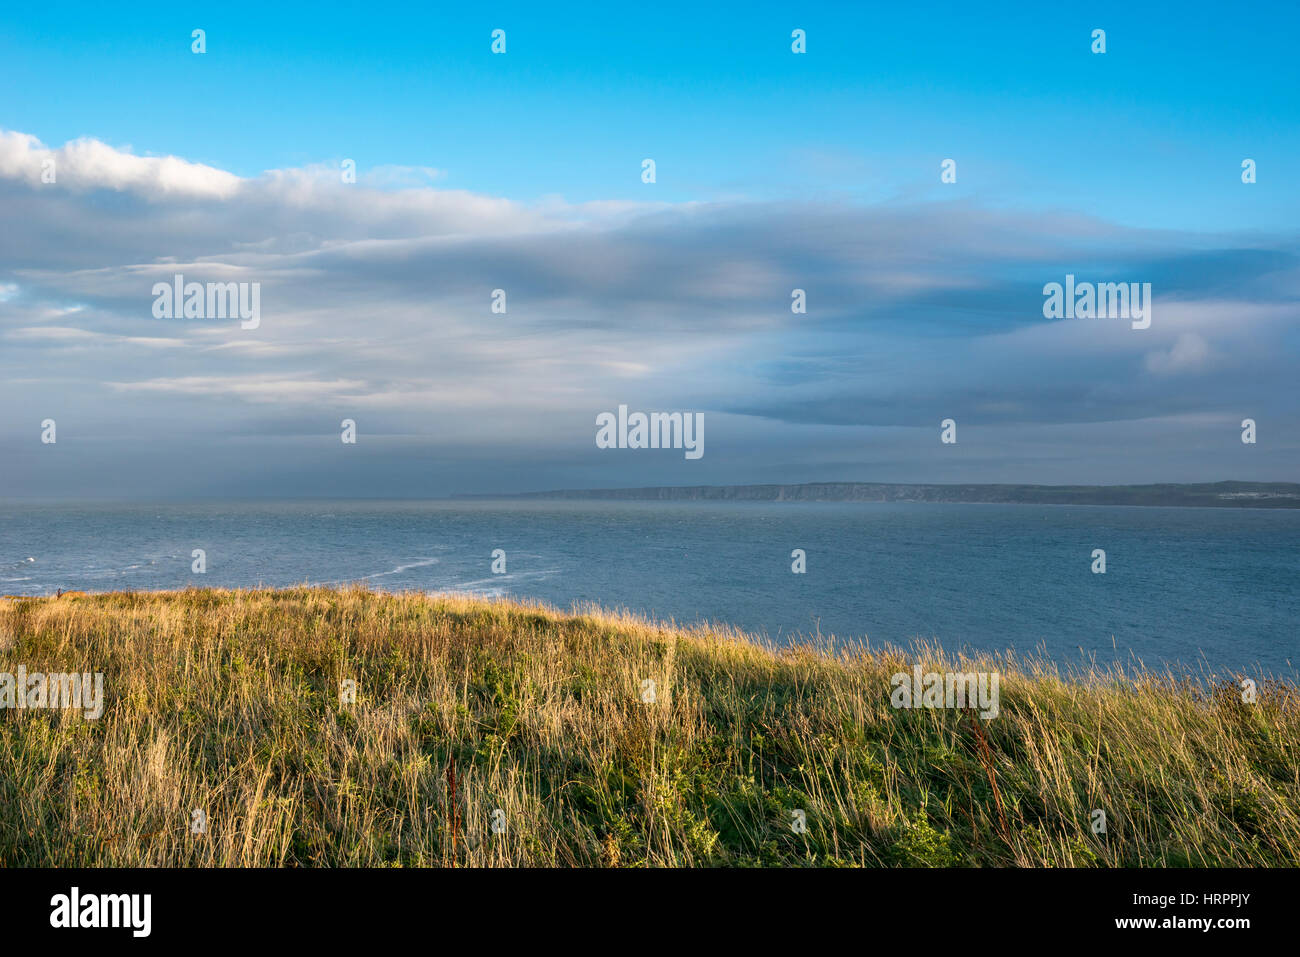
{"points": [[228, 702]]}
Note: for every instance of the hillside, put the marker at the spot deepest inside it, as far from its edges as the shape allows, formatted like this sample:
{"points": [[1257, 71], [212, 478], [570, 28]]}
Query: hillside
{"points": [[228, 703]]}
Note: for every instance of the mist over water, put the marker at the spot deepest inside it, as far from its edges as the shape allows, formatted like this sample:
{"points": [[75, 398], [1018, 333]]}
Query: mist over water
{"points": [[1193, 588]]}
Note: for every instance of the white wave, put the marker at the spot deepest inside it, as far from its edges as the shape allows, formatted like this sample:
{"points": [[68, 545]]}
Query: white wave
{"points": [[506, 579], [395, 571], [402, 568]]}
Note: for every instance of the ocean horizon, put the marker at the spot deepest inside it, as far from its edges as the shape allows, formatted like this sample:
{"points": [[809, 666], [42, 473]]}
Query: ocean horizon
{"points": [[1197, 590]]}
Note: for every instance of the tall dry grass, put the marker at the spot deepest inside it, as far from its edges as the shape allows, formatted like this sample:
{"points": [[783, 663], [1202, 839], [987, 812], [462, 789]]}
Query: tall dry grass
{"points": [[228, 702]]}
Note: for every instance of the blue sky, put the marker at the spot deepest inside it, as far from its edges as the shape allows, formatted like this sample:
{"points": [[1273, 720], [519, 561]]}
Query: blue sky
{"points": [[886, 91], [522, 171]]}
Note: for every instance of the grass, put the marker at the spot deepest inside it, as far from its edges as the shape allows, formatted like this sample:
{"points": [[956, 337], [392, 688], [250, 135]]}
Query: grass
{"points": [[228, 701]]}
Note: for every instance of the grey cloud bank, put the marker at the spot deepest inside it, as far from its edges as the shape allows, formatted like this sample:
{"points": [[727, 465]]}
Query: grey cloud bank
{"points": [[375, 306]]}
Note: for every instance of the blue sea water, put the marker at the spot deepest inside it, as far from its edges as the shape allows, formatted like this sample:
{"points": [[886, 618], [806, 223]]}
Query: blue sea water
{"points": [[1194, 588]]}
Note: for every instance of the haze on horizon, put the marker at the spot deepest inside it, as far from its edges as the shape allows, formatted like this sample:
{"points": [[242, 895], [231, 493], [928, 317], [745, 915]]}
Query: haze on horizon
{"points": [[522, 172]]}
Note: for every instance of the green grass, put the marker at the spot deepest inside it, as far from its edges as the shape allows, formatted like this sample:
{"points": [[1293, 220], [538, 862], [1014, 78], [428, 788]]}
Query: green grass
{"points": [[228, 701]]}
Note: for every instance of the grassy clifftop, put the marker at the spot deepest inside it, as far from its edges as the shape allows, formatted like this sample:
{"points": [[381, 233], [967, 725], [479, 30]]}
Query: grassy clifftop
{"points": [[228, 702]]}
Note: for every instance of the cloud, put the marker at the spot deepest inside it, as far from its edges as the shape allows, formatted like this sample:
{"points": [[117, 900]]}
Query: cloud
{"points": [[1189, 352], [401, 177], [378, 299], [86, 164], [253, 388]]}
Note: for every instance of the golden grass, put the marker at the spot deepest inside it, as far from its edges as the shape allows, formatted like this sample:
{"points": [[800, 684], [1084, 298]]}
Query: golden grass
{"points": [[228, 702]]}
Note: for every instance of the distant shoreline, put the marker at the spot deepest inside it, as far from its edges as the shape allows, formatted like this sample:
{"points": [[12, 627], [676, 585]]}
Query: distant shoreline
{"points": [[1202, 495]]}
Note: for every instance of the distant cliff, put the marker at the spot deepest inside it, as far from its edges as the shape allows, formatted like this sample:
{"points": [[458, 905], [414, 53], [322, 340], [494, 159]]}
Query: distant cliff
{"points": [[1211, 494]]}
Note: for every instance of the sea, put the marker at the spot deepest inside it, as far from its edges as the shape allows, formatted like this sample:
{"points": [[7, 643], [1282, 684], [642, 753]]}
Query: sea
{"points": [[1198, 590]]}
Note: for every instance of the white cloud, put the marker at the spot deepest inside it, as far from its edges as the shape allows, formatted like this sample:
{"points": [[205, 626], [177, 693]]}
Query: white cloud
{"points": [[89, 164], [253, 388], [1188, 353]]}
